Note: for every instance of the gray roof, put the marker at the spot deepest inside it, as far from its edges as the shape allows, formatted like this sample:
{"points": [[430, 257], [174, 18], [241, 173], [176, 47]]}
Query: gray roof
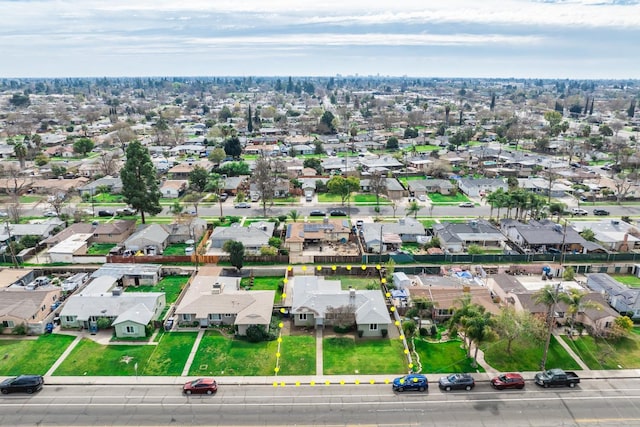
{"points": [[151, 234], [108, 305], [133, 270], [474, 230], [139, 313], [256, 235], [625, 296], [111, 182], [404, 226], [314, 294], [23, 304]]}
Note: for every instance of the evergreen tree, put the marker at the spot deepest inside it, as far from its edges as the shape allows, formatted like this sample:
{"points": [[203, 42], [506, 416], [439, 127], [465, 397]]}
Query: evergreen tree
{"points": [[139, 181], [249, 121]]}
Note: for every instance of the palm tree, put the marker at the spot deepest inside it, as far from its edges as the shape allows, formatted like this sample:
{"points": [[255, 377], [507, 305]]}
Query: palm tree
{"points": [[549, 296], [577, 304], [413, 208], [479, 329], [20, 151], [294, 215]]}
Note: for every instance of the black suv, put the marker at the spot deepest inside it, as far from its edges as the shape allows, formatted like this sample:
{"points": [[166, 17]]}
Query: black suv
{"points": [[456, 382], [105, 213], [24, 383], [338, 212], [600, 212], [316, 213]]}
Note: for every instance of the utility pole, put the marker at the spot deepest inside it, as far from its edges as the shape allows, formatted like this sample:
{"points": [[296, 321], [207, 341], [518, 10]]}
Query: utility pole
{"points": [[14, 259], [550, 320]]}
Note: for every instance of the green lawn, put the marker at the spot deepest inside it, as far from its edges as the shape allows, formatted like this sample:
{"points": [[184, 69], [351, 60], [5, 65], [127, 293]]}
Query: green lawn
{"points": [[218, 355], [526, 356], [170, 355], [356, 198], [446, 357], [28, 356], [268, 283], [438, 198], [175, 249], [603, 354], [356, 282], [428, 223], [170, 285], [298, 355], [30, 199], [108, 198], [627, 279], [92, 359], [100, 248], [405, 179], [349, 356]]}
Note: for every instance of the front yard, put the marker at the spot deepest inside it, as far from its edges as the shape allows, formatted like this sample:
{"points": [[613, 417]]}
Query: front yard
{"points": [[358, 199], [170, 285], [526, 356], [351, 356], [20, 356], [444, 357], [602, 354], [627, 279], [440, 199]]}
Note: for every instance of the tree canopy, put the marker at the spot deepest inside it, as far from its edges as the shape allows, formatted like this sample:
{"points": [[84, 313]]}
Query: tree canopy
{"points": [[236, 253], [232, 147], [139, 182], [343, 186]]}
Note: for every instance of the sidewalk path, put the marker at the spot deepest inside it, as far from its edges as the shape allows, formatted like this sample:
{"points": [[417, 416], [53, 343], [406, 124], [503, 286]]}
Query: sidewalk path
{"points": [[64, 355], [319, 359], [192, 354], [572, 353]]}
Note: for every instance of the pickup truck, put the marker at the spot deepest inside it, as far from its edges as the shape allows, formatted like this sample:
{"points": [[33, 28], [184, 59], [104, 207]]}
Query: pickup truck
{"points": [[557, 378]]}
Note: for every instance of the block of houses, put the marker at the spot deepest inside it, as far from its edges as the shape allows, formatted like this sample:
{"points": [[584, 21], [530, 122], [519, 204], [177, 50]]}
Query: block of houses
{"points": [[456, 237], [479, 187], [128, 312], [623, 299], [422, 187], [173, 188], [318, 303], [182, 170], [151, 239], [253, 237], [446, 299], [213, 300], [300, 235], [40, 228], [104, 232]]}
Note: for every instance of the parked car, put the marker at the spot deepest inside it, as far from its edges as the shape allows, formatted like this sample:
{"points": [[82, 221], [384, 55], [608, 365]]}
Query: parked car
{"points": [[224, 197], [200, 386], [510, 380], [466, 205], [456, 382], [242, 205], [3, 214], [557, 378], [411, 382], [50, 214], [105, 213], [316, 213], [579, 212], [23, 383], [125, 211], [337, 212], [422, 198], [600, 212]]}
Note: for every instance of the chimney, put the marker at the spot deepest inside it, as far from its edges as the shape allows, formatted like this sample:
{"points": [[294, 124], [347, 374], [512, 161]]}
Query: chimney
{"points": [[117, 291], [352, 294]]}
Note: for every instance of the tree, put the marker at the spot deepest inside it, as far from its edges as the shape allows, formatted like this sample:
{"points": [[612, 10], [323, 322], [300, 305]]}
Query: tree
{"points": [[549, 296], [622, 326], [139, 181], [392, 143], [512, 325], [19, 100], [217, 155], [265, 182], [314, 164], [83, 146], [413, 209], [57, 200], [479, 329], [378, 185], [326, 125], [193, 198], [20, 151], [198, 179], [232, 147], [236, 253], [109, 163], [249, 121], [343, 186], [576, 304], [294, 215]]}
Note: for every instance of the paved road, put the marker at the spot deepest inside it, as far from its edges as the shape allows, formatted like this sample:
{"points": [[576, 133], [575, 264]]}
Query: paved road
{"points": [[594, 403]]}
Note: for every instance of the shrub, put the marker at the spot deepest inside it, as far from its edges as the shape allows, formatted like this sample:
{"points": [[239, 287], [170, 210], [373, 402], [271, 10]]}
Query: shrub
{"points": [[434, 330], [257, 333], [384, 332], [424, 332], [20, 329], [360, 333], [339, 329], [103, 322]]}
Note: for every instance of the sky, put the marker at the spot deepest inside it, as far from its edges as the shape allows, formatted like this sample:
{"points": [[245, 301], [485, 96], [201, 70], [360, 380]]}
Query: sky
{"points": [[575, 39]]}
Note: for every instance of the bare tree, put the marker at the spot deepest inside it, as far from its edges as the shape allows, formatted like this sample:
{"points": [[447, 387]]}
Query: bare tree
{"points": [[265, 181], [342, 316], [109, 163], [378, 185], [58, 199], [15, 185], [622, 185]]}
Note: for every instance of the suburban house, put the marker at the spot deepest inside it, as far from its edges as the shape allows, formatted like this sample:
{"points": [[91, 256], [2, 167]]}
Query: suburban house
{"points": [[151, 239], [173, 188], [131, 274], [541, 186], [24, 305], [539, 236], [42, 229], [74, 245], [613, 234], [181, 232], [112, 184], [128, 312], [383, 163], [422, 187], [213, 300], [446, 299], [481, 186], [253, 237], [303, 149], [392, 234], [318, 302], [300, 235], [104, 232], [182, 170], [393, 189], [456, 237], [623, 299], [232, 184]]}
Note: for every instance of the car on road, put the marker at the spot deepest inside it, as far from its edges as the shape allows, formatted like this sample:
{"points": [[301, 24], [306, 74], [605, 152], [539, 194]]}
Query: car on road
{"points": [[3, 214], [242, 205], [422, 198], [125, 211], [337, 212], [466, 205], [579, 212], [600, 212], [557, 378], [105, 213], [200, 386], [50, 214], [510, 380], [23, 383], [316, 213], [411, 382], [456, 382]]}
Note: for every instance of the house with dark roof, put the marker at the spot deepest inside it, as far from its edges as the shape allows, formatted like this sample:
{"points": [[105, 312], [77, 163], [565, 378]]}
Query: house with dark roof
{"points": [[456, 237], [151, 239], [623, 299], [391, 235], [318, 302]]}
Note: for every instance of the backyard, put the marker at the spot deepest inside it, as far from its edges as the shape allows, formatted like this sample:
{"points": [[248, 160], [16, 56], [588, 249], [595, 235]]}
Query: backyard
{"points": [[175, 249], [603, 354], [357, 282], [444, 357], [170, 285], [100, 248], [19, 355], [268, 283], [627, 279], [526, 356], [348, 356]]}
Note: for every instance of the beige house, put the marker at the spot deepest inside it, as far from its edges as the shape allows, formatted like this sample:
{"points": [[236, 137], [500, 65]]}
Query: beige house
{"points": [[31, 307]]}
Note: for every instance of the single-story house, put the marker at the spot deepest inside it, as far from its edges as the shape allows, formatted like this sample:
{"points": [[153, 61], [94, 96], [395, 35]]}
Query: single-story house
{"points": [[151, 239], [104, 232], [301, 234], [181, 232], [74, 245], [456, 237], [318, 303], [422, 187], [481, 186], [31, 307], [173, 188], [392, 234], [623, 299], [131, 274], [253, 237], [114, 184]]}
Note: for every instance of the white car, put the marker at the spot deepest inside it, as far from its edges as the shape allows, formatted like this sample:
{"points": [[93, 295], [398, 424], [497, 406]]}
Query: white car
{"points": [[50, 214], [466, 205]]}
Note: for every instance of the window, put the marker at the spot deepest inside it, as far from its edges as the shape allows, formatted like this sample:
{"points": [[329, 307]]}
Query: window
{"points": [[186, 317], [69, 319], [373, 327], [130, 330], [303, 316], [214, 317], [7, 323]]}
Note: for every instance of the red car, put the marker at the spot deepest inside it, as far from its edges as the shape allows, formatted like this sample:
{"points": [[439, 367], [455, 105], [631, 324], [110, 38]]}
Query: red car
{"points": [[508, 381], [200, 386]]}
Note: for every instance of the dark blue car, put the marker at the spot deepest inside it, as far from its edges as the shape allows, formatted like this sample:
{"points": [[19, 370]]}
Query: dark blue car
{"points": [[411, 382]]}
